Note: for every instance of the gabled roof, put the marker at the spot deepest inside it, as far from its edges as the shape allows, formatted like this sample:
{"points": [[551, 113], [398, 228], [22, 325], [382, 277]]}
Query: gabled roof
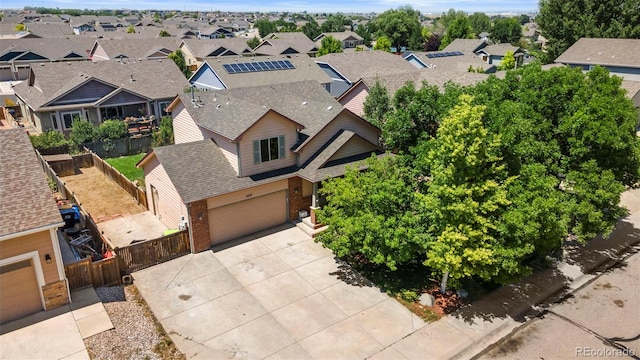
{"points": [[359, 64], [611, 52], [459, 63], [341, 36], [52, 49], [304, 69], [199, 170], [277, 43], [500, 49], [26, 199], [467, 46], [202, 48], [135, 48], [153, 79]]}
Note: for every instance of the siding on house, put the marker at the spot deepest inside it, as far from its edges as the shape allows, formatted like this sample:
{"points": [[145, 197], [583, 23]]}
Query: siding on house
{"points": [[170, 205], [206, 79], [354, 100], [41, 242], [229, 149], [124, 97], [343, 121], [355, 146], [184, 127], [99, 54], [246, 194], [89, 92], [272, 125], [189, 58]]}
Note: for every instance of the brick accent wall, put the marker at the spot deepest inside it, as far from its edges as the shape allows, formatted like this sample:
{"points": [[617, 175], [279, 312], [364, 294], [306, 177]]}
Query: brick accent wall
{"points": [[296, 201], [55, 294], [199, 228]]}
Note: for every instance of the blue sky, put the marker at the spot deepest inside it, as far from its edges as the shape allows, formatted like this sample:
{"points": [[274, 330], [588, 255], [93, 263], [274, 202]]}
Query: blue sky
{"points": [[425, 6]]}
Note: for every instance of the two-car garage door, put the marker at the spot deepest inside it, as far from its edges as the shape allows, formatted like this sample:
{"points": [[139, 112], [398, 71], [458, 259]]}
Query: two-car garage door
{"points": [[245, 217], [19, 291]]}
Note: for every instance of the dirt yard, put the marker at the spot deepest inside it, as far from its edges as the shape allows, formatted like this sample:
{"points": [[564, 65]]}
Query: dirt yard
{"points": [[100, 196]]}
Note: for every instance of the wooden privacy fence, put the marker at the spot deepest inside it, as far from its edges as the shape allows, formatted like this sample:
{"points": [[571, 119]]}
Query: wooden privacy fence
{"points": [[134, 190], [97, 273], [151, 252]]}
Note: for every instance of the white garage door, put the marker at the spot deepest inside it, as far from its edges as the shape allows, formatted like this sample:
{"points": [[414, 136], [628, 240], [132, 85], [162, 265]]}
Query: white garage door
{"points": [[248, 216], [19, 291]]}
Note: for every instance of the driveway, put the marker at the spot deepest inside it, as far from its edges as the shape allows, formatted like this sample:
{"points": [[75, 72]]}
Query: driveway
{"points": [[273, 295]]}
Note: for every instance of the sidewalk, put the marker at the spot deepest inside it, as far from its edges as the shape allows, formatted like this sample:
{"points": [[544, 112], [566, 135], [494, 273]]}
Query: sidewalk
{"points": [[472, 329]]}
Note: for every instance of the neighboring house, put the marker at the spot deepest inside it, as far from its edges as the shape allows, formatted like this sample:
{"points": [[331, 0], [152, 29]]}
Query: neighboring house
{"points": [[467, 46], [349, 39], [251, 158], [214, 32], [196, 50], [484, 36], [57, 93], [450, 61], [354, 98], [345, 69], [633, 92], [493, 54], [237, 72], [286, 44], [620, 56], [17, 55], [138, 49], [32, 275], [82, 28]]}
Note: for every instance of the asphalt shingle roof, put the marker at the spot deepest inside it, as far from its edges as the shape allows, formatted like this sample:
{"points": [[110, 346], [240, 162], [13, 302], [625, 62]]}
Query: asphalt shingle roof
{"points": [[25, 198], [202, 48], [358, 64], [154, 79], [136, 48], [467, 46], [458, 63], [52, 49], [613, 52], [199, 171]]}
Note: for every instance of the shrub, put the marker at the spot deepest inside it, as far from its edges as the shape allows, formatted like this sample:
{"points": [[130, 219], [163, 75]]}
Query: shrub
{"points": [[48, 139], [111, 129], [409, 295], [82, 131], [164, 135]]}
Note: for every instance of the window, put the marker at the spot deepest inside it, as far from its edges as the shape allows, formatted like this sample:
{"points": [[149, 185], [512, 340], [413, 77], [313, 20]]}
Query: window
{"points": [[163, 108], [68, 117], [268, 149], [350, 44], [54, 121]]}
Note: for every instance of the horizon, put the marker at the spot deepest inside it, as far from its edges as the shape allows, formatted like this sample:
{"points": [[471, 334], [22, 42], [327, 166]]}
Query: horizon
{"points": [[298, 6]]}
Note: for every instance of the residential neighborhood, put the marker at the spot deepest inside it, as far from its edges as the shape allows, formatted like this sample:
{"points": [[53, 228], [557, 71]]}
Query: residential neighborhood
{"points": [[394, 184]]}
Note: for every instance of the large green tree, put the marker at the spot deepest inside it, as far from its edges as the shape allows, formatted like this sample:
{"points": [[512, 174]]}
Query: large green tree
{"points": [[329, 45], [373, 213], [467, 194], [563, 22], [335, 23], [506, 30], [377, 104], [459, 28], [401, 26], [265, 27], [178, 58], [311, 28], [480, 22]]}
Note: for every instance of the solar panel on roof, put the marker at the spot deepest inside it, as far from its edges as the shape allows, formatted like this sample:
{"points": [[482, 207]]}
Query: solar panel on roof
{"points": [[258, 66]]}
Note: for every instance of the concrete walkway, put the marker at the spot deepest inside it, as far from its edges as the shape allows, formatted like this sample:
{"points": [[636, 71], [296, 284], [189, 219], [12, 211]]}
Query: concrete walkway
{"points": [[57, 333], [274, 295]]}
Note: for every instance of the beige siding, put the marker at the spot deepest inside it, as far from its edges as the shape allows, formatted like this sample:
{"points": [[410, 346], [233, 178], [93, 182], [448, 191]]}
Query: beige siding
{"points": [[355, 146], [189, 58], [170, 206], [246, 194], [344, 121], [19, 294], [354, 100], [41, 242], [307, 188], [100, 54], [272, 125], [229, 149], [184, 127]]}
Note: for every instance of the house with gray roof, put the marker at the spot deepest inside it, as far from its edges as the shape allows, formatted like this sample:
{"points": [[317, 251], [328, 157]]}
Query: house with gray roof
{"points": [[55, 94], [348, 39], [247, 159], [18, 55], [286, 44], [241, 71], [346, 68], [494, 54], [138, 49], [196, 50], [32, 277], [454, 61], [467, 46], [620, 56]]}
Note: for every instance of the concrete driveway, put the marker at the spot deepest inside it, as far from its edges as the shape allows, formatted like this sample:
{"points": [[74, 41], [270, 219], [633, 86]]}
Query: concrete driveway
{"points": [[274, 295]]}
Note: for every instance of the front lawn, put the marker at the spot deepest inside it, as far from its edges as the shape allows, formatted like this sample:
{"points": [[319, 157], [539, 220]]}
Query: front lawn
{"points": [[127, 167]]}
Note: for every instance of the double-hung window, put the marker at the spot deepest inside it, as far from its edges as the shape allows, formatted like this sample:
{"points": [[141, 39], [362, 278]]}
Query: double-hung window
{"points": [[68, 117], [268, 149]]}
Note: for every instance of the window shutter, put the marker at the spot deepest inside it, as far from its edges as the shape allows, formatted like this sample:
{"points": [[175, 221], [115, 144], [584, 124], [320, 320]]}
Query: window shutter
{"points": [[281, 147], [256, 151]]}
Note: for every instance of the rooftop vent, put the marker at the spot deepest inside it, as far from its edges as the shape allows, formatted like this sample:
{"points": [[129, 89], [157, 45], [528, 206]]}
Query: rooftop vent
{"points": [[131, 79], [304, 103], [329, 107]]}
